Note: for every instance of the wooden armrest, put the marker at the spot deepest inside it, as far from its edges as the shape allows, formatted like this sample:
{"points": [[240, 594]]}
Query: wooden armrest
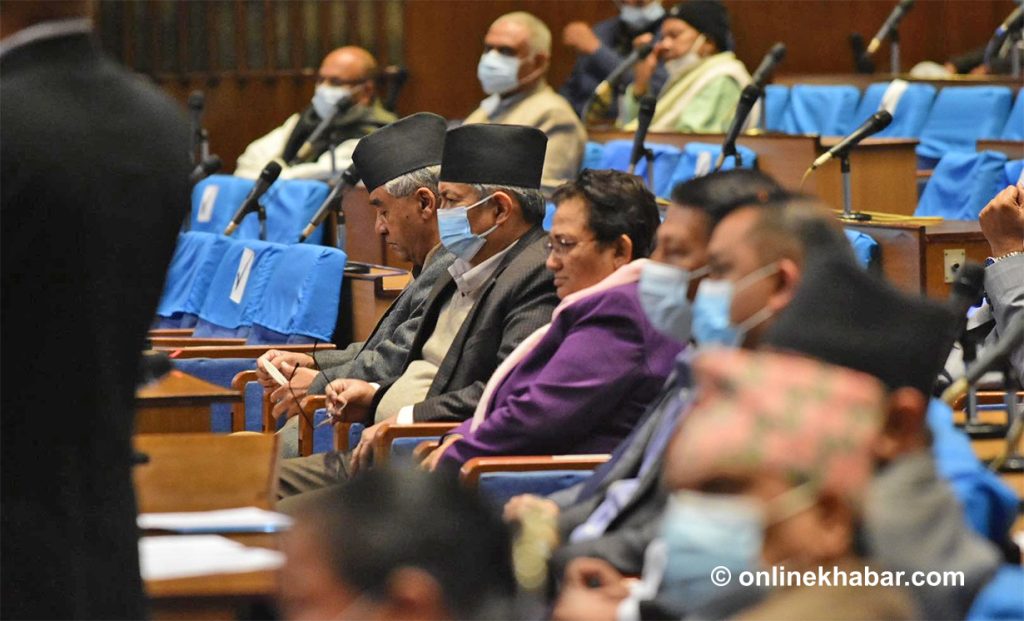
{"points": [[472, 469], [238, 383], [181, 332], [389, 432], [423, 449], [986, 397], [924, 174], [240, 351], [187, 341], [309, 404]]}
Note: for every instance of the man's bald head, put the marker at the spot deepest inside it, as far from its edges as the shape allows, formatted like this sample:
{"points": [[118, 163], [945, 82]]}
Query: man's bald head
{"points": [[353, 67]]}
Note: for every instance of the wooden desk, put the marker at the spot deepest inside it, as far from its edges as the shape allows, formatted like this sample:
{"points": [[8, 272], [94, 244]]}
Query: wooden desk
{"points": [[218, 596], [882, 173], [1013, 149], [863, 80], [912, 255], [369, 296], [362, 242], [178, 403]]}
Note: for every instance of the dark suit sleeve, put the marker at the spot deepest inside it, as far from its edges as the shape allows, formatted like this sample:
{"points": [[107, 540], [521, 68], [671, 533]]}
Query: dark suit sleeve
{"points": [[529, 310]]}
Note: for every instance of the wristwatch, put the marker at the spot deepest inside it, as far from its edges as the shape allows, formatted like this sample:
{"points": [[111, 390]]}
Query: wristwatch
{"points": [[994, 260]]}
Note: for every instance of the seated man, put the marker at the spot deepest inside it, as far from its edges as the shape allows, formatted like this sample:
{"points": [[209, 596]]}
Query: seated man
{"points": [[579, 384], [512, 71], [347, 72], [599, 50], [399, 164], [1002, 222], [704, 77], [380, 547], [497, 293]]}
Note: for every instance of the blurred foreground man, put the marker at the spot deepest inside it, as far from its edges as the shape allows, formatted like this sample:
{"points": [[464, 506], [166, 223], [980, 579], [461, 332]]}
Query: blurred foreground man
{"points": [[88, 231]]}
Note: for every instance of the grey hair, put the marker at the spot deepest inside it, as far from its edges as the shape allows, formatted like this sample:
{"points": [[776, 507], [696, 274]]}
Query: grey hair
{"points": [[406, 184], [531, 201], [540, 34]]}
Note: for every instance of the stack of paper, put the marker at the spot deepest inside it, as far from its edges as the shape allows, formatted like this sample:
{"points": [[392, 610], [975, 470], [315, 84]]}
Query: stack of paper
{"points": [[242, 520], [162, 558]]}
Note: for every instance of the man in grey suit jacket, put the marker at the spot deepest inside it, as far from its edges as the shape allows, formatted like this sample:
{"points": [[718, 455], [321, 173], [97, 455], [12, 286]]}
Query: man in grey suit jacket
{"points": [[1002, 222], [399, 164], [497, 292]]}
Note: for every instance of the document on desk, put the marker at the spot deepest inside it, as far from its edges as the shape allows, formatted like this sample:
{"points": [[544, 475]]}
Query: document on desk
{"points": [[241, 520], [182, 556]]}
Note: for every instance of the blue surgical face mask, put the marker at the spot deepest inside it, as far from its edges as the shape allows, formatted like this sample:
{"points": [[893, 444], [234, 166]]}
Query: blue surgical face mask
{"points": [[326, 97], [663, 295], [498, 73], [711, 309], [703, 533], [640, 17], [456, 234]]}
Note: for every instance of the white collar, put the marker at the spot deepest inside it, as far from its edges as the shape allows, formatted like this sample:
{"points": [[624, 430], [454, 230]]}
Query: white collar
{"points": [[468, 278], [45, 30]]}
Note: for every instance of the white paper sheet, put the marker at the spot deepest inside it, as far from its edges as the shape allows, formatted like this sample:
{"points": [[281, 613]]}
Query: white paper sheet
{"points": [[175, 556], [241, 520]]}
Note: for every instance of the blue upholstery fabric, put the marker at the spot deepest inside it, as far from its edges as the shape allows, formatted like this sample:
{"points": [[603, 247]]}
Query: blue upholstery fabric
{"points": [[1002, 598], [219, 371], [666, 158], [252, 399], [549, 215], [1014, 128], [776, 102], [289, 203], [1014, 170], [498, 487], [402, 448], [195, 259], [909, 116], [323, 437], [960, 116], [593, 155], [355, 432], [962, 184], [222, 316], [865, 248], [229, 192], [301, 297], [820, 109], [699, 159]]}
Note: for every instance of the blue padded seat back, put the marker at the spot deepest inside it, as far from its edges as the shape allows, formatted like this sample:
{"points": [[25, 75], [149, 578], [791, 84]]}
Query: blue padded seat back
{"points": [[960, 116], [237, 288], [252, 398], [402, 448], [1014, 127], [497, 488], [549, 215], [666, 158], [820, 109], [188, 278], [302, 295], [699, 159], [216, 199], [593, 155], [290, 204], [962, 184], [908, 117], [865, 248], [776, 101], [1014, 172], [1001, 598]]}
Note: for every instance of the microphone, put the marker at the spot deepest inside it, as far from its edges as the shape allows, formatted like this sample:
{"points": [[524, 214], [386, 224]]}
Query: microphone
{"points": [[990, 360], [862, 63], [767, 67], [204, 169], [748, 98], [875, 123], [967, 288], [605, 88], [647, 104], [891, 23], [347, 180], [267, 178], [196, 103], [1000, 33], [306, 150]]}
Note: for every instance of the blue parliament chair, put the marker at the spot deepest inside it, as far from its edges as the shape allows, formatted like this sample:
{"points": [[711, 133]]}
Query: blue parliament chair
{"points": [[827, 110], [593, 155], [666, 158], [909, 115], [776, 101], [1001, 598], [1014, 128], [500, 478], [865, 248], [962, 184], [698, 159], [195, 259], [960, 116], [236, 289], [1014, 170]]}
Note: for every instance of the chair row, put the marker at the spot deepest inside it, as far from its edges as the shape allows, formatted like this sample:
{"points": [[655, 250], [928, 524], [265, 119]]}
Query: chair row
{"points": [[263, 292], [289, 204], [952, 119], [963, 183]]}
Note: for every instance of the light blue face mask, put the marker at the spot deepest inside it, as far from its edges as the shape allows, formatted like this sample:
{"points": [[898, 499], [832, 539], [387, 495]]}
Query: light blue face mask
{"points": [[703, 533], [640, 17], [326, 97], [456, 234], [498, 74], [711, 309], [663, 296]]}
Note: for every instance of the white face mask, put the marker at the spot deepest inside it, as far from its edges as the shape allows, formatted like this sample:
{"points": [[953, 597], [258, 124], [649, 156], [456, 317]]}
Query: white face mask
{"points": [[498, 74], [687, 61], [326, 97], [640, 17]]}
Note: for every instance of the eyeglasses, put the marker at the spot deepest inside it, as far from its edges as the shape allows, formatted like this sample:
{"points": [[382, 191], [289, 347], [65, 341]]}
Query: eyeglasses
{"points": [[562, 246]]}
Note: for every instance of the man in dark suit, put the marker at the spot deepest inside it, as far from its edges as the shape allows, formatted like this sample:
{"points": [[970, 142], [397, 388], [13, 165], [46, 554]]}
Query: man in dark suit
{"points": [[94, 187], [495, 294]]}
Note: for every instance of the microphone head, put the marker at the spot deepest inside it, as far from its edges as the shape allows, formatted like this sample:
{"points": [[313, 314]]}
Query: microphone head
{"points": [[881, 120], [969, 282], [270, 172], [749, 94], [778, 51], [196, 100], [212, 164], [647, 104], [906, 4]]}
